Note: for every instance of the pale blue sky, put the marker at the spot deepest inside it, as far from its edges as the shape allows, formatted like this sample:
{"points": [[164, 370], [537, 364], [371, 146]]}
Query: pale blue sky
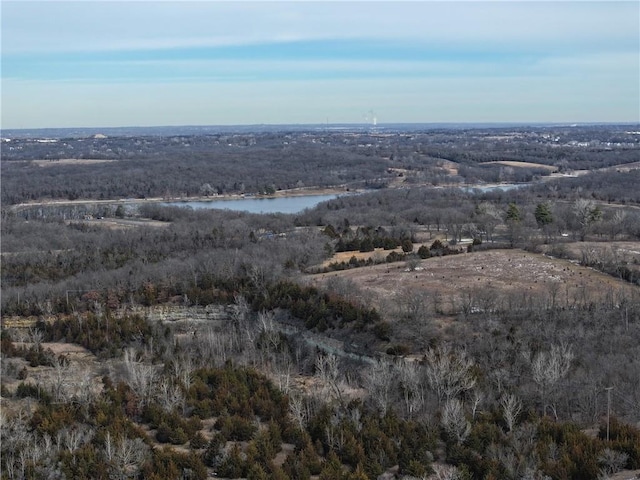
{"points": [[92, 64]]}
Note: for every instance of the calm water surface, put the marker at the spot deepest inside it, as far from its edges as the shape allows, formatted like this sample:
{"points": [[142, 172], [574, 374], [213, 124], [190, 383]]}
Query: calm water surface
{"points": [[260, 205]]}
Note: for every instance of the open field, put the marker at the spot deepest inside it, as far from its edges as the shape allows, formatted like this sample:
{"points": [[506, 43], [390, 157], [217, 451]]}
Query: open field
{"points": [[501, 274], [509, 163], [69, 161], [121, 223]]}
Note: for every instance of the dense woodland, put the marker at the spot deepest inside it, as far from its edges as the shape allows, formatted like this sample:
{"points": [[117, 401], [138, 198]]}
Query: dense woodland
{"points": [[215, 354], [197, 165]]}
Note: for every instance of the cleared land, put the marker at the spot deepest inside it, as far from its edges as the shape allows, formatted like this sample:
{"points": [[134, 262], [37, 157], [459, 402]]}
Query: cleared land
{"points": [[515, 164], [503, 274]]}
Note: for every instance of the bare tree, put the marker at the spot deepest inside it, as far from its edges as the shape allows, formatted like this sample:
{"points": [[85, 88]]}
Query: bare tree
{"points": [[586, 213], [411, 385], [183, 370], [240, 311], [443, 472], [548, 368], [334, 434], [83, 390], [511, 408], [476, 401], [269, 334], [414, 305], [170, 395], [454, 421], [449, 372], [379, 379], [299, 410], [124, 456], [74, 437], [141, 377], [61, 369], [329, 374], [35, 337]]}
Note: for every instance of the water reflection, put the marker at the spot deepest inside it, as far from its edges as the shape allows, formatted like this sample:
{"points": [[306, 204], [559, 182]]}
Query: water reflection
{"points": [[293, 204]]}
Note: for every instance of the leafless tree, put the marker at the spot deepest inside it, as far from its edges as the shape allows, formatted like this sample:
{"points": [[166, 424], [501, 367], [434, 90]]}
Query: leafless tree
{"points": [[299, 410], [35, 337], [410, 376], [61, 370], [183, 370], [125, 456], [76, 436], [548, 368], [586, 213], [269, 333], [170, 395], [511, 408], [335, 433], [240, 311], [454, 421], [141, 377], [283, 367], [327, 370], [443, 472], [414, 305], [83, 390], [477, 399], [449, 372], [379, 380]]}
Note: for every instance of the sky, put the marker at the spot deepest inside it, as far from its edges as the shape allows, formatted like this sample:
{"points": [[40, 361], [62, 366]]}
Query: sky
{"points": [[156, 63]]}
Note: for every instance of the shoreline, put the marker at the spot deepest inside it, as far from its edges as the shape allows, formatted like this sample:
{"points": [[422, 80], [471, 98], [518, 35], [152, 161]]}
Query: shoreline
{"points": [[298, 192]]}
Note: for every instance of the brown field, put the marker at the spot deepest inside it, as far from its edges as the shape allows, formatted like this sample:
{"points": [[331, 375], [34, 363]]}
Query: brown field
{"points": [[501, 273], [122, 223], [69, 161], [509, 163], [378, 254]]}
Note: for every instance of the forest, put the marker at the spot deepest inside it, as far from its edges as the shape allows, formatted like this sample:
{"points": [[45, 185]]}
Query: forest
{"points": [[467, 308]]}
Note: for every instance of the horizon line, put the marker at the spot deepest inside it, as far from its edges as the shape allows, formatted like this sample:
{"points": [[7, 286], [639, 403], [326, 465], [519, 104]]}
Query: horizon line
{"points": [[378, 125]]}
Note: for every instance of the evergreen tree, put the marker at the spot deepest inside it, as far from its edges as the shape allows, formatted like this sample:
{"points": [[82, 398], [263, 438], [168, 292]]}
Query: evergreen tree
{"points": [[543, 215]]}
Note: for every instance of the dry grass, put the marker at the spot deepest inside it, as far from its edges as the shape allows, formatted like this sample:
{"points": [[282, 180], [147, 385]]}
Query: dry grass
{"points": [[122, 223], [69, 161], [515, 164], [497, 272], [377, 254], [626, 251]]}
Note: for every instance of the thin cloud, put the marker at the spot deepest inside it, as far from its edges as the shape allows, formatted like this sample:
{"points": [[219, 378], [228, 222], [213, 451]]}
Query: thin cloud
{"points": [[108, 63]]}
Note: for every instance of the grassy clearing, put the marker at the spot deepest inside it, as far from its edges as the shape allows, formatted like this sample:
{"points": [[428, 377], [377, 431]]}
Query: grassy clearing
{"points": [[499, 272], [510, 163]]}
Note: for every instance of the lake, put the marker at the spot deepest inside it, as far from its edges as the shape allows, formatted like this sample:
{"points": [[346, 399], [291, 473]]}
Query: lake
{"points": [[293, 204]]}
